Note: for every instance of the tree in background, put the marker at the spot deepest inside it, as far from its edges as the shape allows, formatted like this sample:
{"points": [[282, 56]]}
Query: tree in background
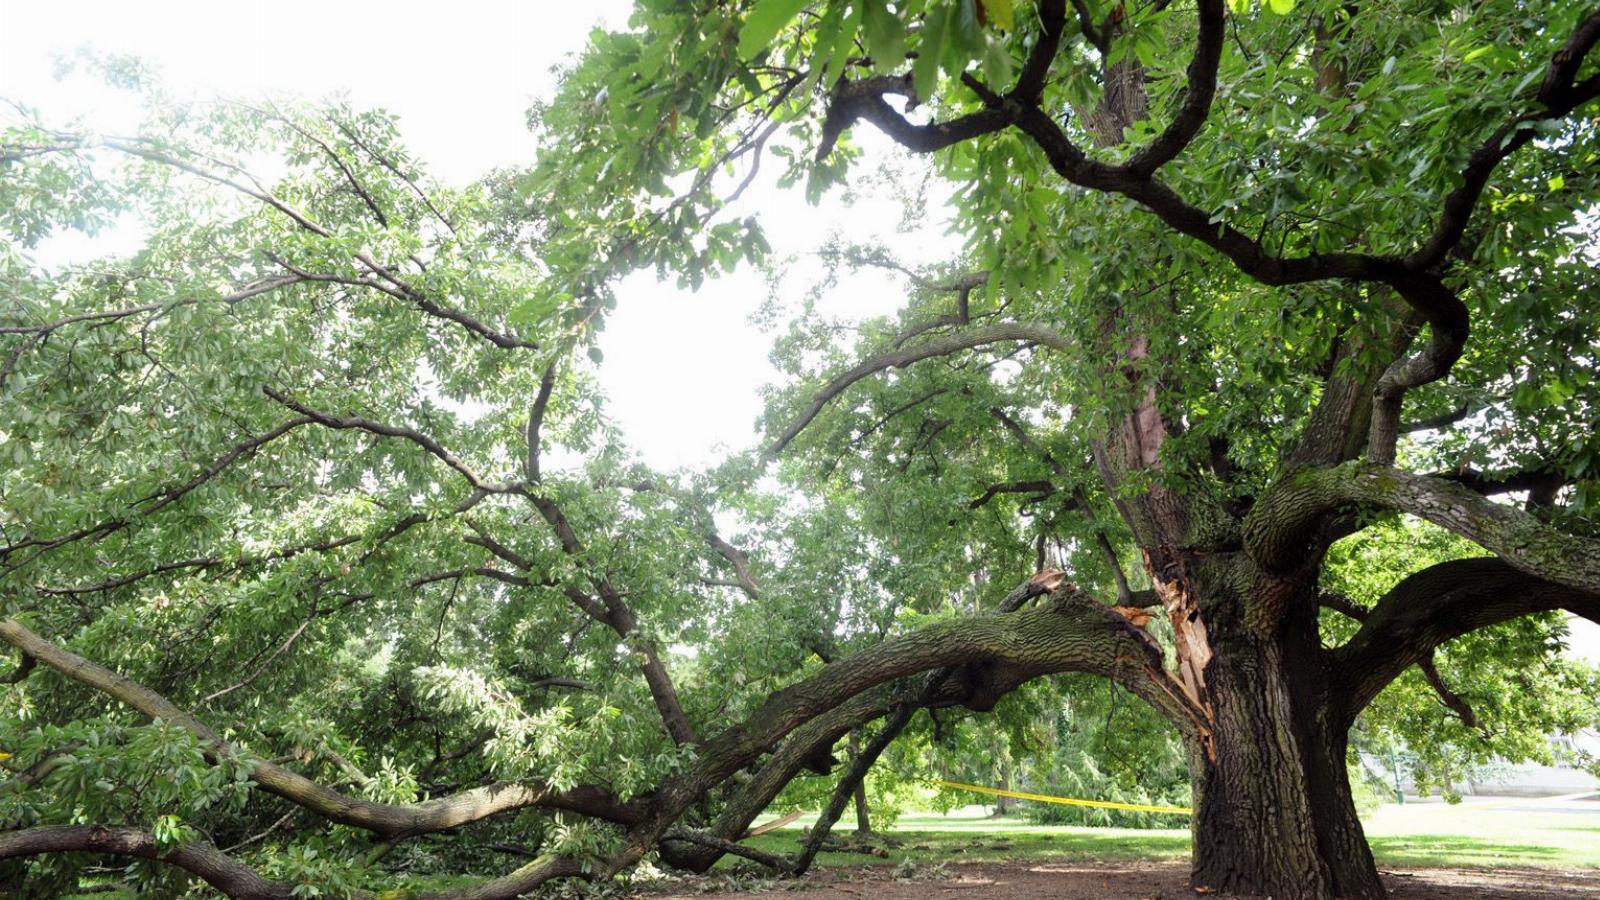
{"points": [[303, 596]]}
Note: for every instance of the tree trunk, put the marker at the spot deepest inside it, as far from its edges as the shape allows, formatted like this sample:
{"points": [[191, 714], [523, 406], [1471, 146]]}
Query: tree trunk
{"points": [[1002, 804], [863, 811], [1274, 814]]}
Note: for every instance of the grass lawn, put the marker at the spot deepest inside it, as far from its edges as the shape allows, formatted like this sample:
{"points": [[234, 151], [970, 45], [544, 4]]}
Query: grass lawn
{"points": [[1493, 832], [1477, 832], [1473, 833]]}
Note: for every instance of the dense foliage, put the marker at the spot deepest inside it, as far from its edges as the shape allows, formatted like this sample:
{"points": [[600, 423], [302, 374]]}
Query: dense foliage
{"points": [[314, 494]]}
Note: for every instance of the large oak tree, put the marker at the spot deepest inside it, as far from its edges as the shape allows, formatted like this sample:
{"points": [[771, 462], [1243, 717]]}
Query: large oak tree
{"points": [[296, 582]]}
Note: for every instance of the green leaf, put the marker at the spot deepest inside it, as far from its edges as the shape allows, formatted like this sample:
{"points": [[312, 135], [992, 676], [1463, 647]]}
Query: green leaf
{"points": [[1281, 7], [1000, 13], [886, 36], [1557, 182], [935, 35], [765, 20], [842, 44]]}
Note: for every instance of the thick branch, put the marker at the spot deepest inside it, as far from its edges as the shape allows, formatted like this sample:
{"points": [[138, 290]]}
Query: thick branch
{"points": [[740, 562], [24, 668], [1348, 607], [1202, 87], [999, 653], [978, 685], [1490, 483], [1282, 524], [809, 742], [864, 99], [536, 421], [775, 863], [1041, 488], [1436, 605], [199, 858], [850, 780], [1414, 277], [518, 883]]}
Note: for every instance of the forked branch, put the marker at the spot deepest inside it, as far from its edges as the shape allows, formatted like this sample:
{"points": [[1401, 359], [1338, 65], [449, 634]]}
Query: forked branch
{"points": [[1282, 524], [1436, 605]]}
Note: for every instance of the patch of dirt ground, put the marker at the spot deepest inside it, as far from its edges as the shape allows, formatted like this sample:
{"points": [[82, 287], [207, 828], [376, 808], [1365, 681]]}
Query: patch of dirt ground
{"points": [[1134, 881]]}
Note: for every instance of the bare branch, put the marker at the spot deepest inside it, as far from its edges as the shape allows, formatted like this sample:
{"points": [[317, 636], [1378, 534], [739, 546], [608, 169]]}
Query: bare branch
{"points": [[943, 346], [416, 437], [775, 863], [614, 612], [1201, 88], [1453, 701], [1443, 420], [1343, 605], [740, 562], [864, 99], [389, 164], [535, 421], [1040, 488], [1092, 33], [880, 260], [852, 777], [1449, 698], [355, 183]]}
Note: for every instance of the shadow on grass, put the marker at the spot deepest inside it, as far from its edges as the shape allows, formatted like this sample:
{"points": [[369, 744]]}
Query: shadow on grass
{"points": [[1008, 844], [1021, 843]]}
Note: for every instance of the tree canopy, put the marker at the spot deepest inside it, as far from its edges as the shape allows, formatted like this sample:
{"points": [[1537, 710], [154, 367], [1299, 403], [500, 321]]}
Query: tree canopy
{"points": [[1263, 385]]}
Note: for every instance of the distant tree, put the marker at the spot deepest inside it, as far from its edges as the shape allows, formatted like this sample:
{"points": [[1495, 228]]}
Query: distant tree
{"points": [[303, 595]]}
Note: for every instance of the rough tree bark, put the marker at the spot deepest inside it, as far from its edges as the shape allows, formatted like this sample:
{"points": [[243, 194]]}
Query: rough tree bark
{"points": [[1274, 811], [859, 796]]}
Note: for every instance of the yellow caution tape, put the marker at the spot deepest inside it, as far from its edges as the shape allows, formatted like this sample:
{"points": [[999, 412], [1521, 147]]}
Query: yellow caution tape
{"points": [[1098, 804]]}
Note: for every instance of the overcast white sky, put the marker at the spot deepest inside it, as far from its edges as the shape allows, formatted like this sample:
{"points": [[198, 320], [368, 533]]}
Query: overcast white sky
{"points": [[683, 372]]}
